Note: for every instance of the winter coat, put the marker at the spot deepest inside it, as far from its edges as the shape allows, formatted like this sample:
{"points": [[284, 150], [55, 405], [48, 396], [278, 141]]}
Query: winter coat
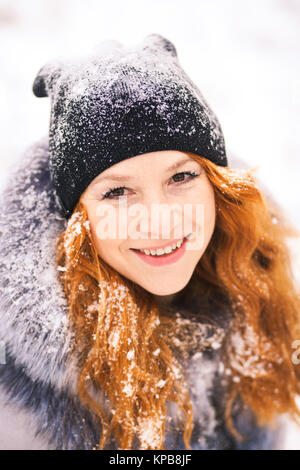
{"points": [[39, 406]]}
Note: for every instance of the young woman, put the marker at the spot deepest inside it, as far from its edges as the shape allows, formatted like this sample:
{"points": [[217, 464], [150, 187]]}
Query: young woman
{"points": [[121, 332]]}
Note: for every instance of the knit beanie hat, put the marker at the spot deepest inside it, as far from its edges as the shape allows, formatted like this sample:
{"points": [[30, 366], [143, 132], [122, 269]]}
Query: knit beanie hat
{"points": [[119, 102]]}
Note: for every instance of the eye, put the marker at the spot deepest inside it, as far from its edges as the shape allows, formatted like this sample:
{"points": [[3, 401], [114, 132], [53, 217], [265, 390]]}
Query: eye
{"points": [[180, 177], [114, 192]]}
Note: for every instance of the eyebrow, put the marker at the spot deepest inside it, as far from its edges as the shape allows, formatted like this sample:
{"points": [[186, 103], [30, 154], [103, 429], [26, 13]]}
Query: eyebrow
{"points": [[128, 178]]}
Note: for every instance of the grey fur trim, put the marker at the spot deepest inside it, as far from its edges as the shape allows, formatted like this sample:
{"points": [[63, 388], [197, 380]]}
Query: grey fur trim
{"points": [[32, 304]]}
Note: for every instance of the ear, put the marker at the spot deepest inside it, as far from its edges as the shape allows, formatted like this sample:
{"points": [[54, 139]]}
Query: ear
{"points": [[157, 42], [45, 80]]}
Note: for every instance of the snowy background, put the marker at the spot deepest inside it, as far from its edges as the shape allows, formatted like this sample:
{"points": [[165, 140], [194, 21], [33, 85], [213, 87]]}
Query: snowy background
{"points": [[243, 54]]}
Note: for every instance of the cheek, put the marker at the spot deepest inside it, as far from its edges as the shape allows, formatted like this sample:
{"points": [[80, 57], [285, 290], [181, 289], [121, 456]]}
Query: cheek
{"points": [[204, 197], [100, 244], [105, 247], [108, 250], [210, 211]]}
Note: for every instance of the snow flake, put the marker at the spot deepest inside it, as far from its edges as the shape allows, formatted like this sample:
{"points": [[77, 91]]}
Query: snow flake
{"points": [[130, 354]]}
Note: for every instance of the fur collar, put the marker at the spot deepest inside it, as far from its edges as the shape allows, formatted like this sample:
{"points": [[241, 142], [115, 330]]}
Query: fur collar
{"points": [[32, 304]]}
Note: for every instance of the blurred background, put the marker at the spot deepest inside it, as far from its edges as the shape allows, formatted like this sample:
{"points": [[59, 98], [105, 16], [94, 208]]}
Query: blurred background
{"points": [[242, 54]]}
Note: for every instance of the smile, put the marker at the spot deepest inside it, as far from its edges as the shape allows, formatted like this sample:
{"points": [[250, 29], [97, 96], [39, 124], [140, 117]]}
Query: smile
{"points": [[163, 255]]}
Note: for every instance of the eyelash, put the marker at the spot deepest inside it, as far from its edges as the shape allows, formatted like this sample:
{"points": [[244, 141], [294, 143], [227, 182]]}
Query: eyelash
{"points": [[108, 193]]}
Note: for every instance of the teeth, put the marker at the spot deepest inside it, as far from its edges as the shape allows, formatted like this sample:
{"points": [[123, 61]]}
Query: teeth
{"points": [[163, 251]]}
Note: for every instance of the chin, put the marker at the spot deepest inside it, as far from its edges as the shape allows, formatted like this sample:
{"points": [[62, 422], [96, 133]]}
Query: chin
{"points": [[161, 290]]}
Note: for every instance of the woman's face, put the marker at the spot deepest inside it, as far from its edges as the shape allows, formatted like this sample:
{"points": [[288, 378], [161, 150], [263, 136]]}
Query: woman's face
{"points": [[146, 202]]}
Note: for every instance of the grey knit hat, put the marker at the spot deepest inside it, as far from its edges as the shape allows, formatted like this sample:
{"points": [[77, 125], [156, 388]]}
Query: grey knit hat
{"points": [[119, 102]]}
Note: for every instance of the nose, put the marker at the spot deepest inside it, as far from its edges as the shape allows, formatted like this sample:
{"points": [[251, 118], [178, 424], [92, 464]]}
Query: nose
{"points": [[158, 218], [155, 196]]}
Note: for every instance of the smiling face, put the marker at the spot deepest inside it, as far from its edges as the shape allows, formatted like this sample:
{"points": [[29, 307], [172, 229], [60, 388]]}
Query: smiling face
{"points": [[165, 180]]}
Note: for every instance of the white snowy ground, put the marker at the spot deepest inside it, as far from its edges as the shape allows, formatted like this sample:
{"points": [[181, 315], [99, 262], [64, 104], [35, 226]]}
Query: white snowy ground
{"points": [[244, 56]]}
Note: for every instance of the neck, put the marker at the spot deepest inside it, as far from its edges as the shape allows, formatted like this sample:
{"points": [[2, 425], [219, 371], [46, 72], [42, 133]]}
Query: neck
{"points": [[165, 299]]}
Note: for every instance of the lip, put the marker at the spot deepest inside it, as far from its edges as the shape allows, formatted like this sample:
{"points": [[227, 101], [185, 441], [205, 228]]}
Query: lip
{"points": [[164, 259]]}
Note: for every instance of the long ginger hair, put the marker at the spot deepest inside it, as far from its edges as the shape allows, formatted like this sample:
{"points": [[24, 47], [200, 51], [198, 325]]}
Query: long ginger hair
{"points": [[121, 336]]}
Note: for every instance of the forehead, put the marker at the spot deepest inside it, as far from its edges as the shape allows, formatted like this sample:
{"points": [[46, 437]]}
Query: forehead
{"points": [[167, 160]]}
